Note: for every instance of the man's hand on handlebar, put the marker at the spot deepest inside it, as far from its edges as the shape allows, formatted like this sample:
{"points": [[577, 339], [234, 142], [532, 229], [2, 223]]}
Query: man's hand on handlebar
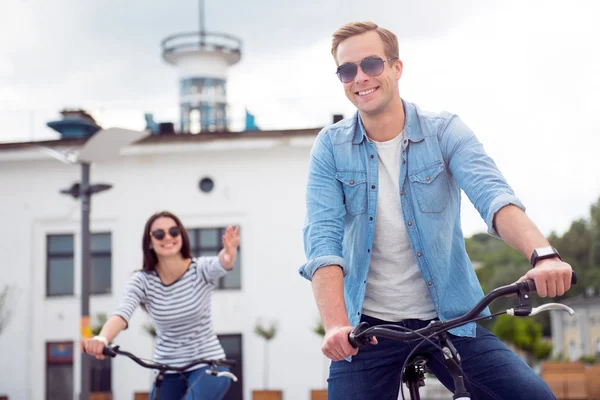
{"points": [[552, 277], [335, 344]]}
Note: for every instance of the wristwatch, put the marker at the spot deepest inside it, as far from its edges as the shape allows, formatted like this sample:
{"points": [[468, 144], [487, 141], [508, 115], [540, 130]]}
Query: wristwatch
{"points": [[542, 253]]}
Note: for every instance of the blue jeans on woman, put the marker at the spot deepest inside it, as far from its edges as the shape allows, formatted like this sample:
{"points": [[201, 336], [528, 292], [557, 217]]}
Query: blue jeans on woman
{"points": [[492, 370], [203, 385]]}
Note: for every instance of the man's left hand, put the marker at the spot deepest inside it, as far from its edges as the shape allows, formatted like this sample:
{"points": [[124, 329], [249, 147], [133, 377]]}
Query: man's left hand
{"points": [[552, 277]]}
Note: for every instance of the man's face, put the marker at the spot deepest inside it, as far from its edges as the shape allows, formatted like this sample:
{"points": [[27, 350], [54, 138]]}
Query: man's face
{"points": [[369, 93]]}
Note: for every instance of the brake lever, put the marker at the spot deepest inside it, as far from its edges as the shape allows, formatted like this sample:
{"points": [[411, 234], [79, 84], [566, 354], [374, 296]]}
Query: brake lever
{"points": [[226, 374], [525, 305], [542, 308]]}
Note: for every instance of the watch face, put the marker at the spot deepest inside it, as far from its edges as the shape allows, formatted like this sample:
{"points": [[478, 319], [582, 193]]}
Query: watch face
{"points": [[544, 251]]}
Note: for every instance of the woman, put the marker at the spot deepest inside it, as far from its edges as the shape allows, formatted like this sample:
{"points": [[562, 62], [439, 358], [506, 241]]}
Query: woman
{"points": [[174, 289]]}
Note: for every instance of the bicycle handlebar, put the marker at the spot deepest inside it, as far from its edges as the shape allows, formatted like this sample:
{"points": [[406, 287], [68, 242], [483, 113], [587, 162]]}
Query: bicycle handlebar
{"points": [[113, 350], [362, 334]]}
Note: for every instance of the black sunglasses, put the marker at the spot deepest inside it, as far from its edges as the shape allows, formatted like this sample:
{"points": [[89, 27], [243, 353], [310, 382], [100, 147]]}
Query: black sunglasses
{"points": [[159, 234], [371, 66]]}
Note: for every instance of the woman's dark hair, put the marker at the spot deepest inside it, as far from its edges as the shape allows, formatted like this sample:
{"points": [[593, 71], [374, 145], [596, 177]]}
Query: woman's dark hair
{"points": [[150, 259]]}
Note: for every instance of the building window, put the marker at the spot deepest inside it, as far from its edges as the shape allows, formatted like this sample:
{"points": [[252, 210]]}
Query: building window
{"points": [[207, 242], [101, 253], [100, 379], [598, 346], [232, 345], [59, 265], [573, 354], [59, 370]]}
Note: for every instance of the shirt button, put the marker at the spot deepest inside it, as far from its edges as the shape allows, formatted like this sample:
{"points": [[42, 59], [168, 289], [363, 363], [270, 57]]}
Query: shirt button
{"points": [[419, 254], [352, 182], [428, 178], [372, 156], [373, 187], [401, 193], [409, 223], [430, 283], [370, 218], [368, 250]]}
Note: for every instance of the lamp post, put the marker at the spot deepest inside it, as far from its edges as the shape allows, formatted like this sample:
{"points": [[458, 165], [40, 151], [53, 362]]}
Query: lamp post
{"points": [[104, 145]]}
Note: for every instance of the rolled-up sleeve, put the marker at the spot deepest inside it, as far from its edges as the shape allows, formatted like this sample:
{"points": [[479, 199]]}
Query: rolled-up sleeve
{"points": [[325, 211], [475, 172]]}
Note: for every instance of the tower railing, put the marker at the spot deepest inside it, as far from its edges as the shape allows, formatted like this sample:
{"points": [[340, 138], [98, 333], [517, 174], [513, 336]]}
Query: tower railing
{"points": [[201, 41]]}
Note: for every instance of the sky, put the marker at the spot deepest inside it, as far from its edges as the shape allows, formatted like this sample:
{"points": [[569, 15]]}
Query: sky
{"points": [[522, 74]]}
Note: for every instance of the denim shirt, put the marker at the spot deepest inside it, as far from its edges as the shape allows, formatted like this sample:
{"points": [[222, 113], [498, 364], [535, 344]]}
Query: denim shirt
{"points": [[440, 156]]}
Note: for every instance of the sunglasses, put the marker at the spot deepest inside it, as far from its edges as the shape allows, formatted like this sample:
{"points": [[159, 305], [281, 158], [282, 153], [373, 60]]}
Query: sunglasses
{"points": [[159, 234], [371, 66]]}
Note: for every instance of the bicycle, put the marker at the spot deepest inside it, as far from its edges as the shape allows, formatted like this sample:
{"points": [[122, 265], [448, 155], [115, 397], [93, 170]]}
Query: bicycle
{"points": [[113, 350], [415, 366]]}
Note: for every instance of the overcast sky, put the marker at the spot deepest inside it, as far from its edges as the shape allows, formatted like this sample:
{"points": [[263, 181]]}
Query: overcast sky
{"points": [[524, 75]]}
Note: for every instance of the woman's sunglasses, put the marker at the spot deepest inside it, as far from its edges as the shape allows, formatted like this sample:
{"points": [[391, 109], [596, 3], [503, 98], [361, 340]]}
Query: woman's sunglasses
{"points": [[372, 66], [159, 234]]}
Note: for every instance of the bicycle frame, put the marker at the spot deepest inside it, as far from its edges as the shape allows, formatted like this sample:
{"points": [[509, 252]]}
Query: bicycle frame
{"points": [[362, 334], [415, 371], [113, 350]]}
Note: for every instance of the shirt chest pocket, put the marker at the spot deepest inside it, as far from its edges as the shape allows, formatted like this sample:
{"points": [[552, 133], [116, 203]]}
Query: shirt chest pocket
{"points": [[430, 186], [354, 184]]}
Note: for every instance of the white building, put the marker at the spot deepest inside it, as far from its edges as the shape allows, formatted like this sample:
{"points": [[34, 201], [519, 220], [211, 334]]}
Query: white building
{"points": [[578, 335], [259, 183]]}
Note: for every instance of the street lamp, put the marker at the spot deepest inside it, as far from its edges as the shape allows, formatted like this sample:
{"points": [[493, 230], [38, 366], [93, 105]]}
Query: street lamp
{"points": [[105, 144]]}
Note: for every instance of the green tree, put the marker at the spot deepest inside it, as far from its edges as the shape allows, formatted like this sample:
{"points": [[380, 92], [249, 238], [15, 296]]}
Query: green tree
{"points": [[525, 334], [268, 334], [319, 329], [100, 321], [150, 329], [595, 235], [498, 264]]}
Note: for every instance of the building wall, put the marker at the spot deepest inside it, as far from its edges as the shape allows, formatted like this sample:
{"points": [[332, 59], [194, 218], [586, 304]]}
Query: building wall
{"points": [[594, 330], [261, 188], [581, 329]]}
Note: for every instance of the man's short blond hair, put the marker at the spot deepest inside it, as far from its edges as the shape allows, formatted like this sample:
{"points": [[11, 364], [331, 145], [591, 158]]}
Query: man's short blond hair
{"points": [[390, 41]]}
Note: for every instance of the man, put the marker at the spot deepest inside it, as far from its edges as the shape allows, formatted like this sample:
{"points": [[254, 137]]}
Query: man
{"points": [[383, 238]]}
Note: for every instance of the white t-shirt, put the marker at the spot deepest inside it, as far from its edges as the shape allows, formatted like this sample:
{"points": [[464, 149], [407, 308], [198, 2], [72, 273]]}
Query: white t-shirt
{"points": [[396, 289]]}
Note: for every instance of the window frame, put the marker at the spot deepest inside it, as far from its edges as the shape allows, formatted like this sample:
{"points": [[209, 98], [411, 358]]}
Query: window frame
{"points": [[59, 255]]}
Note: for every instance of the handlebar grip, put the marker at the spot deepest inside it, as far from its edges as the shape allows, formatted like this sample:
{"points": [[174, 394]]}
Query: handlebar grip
{"points": [[354, 337], [107, 351], [531, 283]]}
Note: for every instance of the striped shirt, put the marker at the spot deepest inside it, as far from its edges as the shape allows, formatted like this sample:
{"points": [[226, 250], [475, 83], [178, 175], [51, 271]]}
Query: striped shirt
{"points": [[181, 311]]}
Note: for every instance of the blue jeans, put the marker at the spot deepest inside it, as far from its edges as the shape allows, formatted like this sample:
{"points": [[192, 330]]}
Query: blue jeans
{"points": [[204, 386], [492, 370]]}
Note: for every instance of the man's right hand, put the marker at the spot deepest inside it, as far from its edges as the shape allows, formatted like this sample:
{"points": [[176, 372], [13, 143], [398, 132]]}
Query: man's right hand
{"points": [[94, 347], [336, 346]]}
